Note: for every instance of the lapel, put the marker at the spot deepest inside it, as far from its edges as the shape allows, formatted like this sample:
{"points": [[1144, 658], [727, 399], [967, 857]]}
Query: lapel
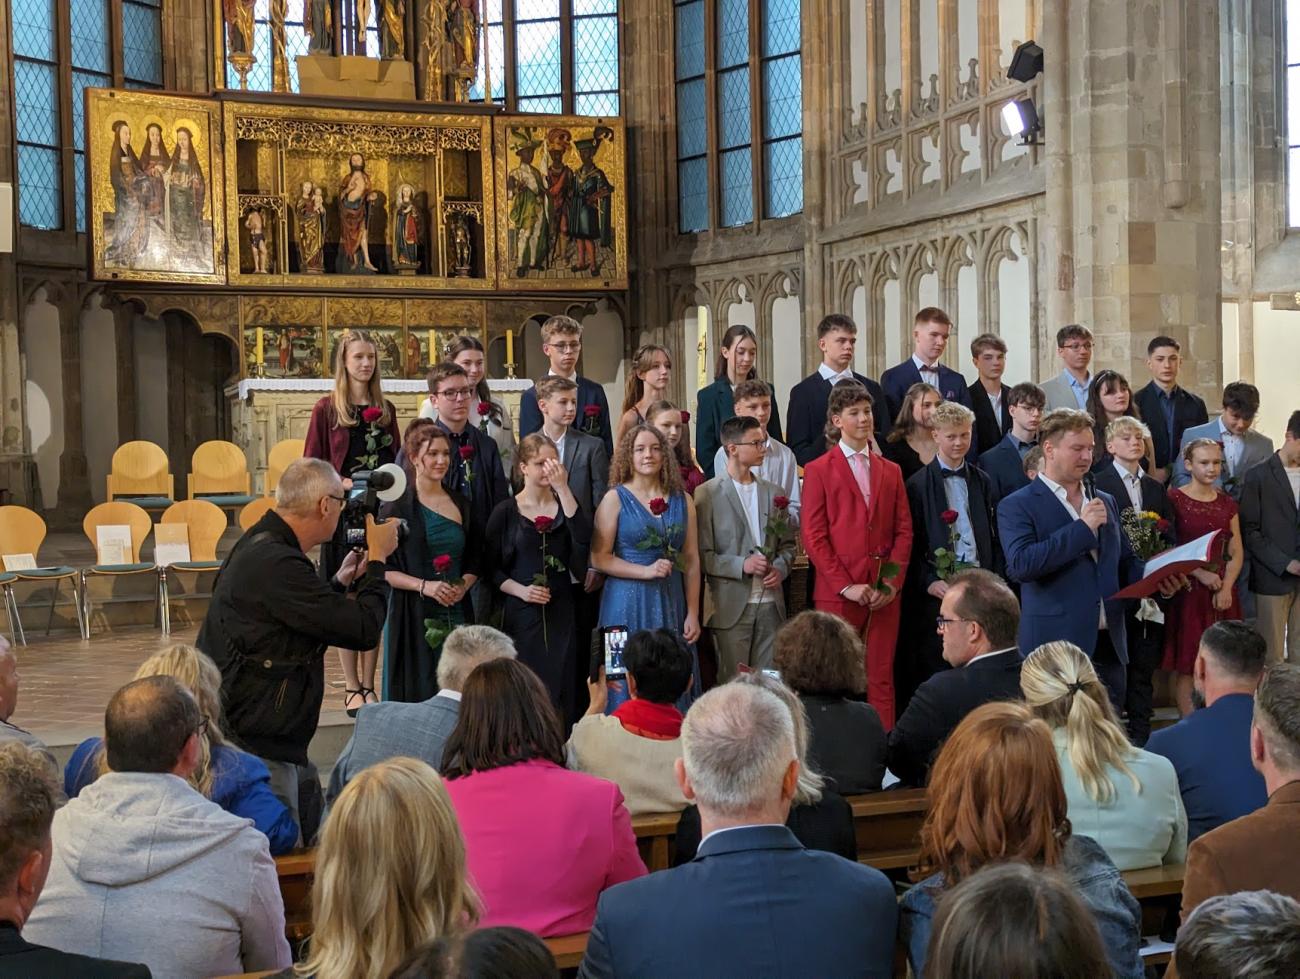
{"points": [[570, 449], [1004, 422], [1278, 472], [747, 541]]}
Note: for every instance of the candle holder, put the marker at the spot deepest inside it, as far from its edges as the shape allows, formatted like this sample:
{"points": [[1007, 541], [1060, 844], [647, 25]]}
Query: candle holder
{"points": [[510, 370]]}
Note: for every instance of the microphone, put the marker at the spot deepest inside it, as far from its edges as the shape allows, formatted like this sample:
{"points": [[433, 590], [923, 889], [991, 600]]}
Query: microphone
{"points": [[1089, 486]]}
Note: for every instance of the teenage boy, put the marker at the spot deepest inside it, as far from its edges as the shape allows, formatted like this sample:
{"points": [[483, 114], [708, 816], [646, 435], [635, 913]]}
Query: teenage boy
{"points": [[930, 334], [1069, 389], [837, 335], [733, 510], [988, 395], [1169, 409], [475, 472], [1123, 479], [1004, 463], [1270, 528], [753, 399], [855, 521], [1243, 447], [562, 345]]}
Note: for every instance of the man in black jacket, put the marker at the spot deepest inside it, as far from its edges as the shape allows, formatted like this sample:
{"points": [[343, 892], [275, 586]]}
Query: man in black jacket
{"points": [[1270, 525], [271, 619], [978, 619]]}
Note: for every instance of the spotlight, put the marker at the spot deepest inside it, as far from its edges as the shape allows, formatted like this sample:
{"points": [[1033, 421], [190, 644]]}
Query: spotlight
{"points": [[1020, 118], [1026, 63]]}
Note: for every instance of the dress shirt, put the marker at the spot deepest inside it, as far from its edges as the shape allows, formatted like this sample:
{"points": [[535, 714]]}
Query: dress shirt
{"points": [[1232, 446], [1132, 482], [1059, 492], [929, 374], [1294, 476], [449, 694], [1080, 388], [1022, 447], [779, 467], [572, 377], [559, 445], [866, 460], [830, 375], [996, 401], [748, 493], [957, 491]]}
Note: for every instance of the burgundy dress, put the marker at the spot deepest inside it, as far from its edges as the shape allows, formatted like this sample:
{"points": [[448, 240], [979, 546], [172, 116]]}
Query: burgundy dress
{"points": [[1192, 612]]}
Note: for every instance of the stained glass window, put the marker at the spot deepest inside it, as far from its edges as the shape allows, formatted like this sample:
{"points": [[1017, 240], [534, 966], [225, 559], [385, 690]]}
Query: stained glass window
{"points": [[36, 104], [492, 56], [141, 43], [692, 118], [92, 66], [595, 57], [782, 109], [538, 84], [735, 158]]}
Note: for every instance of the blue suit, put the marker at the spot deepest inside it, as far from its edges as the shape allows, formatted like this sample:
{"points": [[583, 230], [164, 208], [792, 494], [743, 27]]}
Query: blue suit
{"points": [[1004, 467], [898, 379], [752, 903], [589, 393]]}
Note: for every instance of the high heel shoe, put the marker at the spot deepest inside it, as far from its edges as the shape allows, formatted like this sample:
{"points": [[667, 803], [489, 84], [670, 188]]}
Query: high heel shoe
{"points": [[367, 693], [348, 694]]}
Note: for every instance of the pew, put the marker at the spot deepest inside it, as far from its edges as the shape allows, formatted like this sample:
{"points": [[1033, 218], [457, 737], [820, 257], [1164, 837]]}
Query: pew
{"points": [[888, 827], [654, 835]]}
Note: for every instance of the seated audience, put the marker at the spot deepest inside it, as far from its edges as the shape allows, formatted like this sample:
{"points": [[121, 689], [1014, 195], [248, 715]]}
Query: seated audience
{"points": [[1013, 920], [724, 912], [9, 699], [29, 793], [996, 794], [1123, 797], [543, 842], [419, 730], [178, 882], [978, 619], [489, 953], [637, 745], [1258, 851], [820, 818], [1248, 935], [1210, 747], [390, 873], [820, 658], [235, 780]]}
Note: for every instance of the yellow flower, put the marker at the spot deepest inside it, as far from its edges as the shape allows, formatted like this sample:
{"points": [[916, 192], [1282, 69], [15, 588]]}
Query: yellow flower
{"points": [[1151, 515]]}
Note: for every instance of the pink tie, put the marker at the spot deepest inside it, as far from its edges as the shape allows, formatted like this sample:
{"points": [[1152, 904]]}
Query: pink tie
{"points": [[858, 463]]}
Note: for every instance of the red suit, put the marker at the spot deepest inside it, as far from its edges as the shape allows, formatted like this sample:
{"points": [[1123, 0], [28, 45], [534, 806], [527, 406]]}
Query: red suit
{"points": [[848, 545]]}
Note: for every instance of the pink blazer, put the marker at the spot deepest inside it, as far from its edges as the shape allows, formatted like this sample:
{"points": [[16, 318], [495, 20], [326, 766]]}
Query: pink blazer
{"points": [[542, 843]]}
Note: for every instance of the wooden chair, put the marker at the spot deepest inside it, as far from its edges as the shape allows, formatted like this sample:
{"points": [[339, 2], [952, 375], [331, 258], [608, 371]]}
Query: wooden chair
{"points": [[139, 474], [205, 522], [108, 514], [255, 511], [219, 474], [22, 531], [278, 459]]}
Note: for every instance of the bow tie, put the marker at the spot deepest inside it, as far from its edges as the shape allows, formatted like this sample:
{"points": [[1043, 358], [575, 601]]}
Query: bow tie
{"points": [[955, 473]]}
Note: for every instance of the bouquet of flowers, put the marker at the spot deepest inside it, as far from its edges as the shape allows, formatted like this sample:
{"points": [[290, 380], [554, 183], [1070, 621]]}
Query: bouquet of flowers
{"points": [[376, 438], [437, 629], [543, 526], [484, 414], [591, 419], [661, 538], [779, 532], [1145, 530], [946, 562]]}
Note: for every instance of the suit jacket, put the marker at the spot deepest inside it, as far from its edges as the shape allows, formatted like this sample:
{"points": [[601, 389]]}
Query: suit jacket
{"points": [[1189, 411], [1154, 496], [1270, 525], [1004, 467], [1256, 448], [789, 912], [726, 540], [939, 705], [989, 428], [899, 378], [1059, 393], [805, 418], [488, 485], [846, 543], [391, 729], [928, 499], [22, 958], [716, 404], [588, 464], [589, 393], [1062, 585]]}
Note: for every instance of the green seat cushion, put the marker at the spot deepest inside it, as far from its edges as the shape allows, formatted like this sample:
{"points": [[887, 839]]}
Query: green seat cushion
{"points": [[121, 568], [196, 565], [60, 572], [228, 499], [148, 502], [7, 576]]}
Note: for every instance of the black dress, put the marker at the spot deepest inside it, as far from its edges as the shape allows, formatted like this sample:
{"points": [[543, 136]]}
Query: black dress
{"points": [[826, 826], [544, 635], [903, 455]]}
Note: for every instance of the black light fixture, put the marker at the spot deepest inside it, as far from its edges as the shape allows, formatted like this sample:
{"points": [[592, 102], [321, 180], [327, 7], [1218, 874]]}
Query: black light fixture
{"points": [[1020, 118], [1026, 63]]}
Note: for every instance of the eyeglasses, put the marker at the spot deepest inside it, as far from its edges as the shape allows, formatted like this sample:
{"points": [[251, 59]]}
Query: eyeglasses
{"points": [[456, 394], [1079, 345], [340, 499], [566, 348], [941, 623], [755, 444]]}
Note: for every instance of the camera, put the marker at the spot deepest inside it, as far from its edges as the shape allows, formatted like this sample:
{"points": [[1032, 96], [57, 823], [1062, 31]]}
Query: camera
{"points": [[371, 487]]}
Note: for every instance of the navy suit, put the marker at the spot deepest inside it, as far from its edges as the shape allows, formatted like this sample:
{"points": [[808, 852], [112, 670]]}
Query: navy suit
{"points": [[589, 393], [989, 428], [805, 418], [753, 902], [1004, 467], [1189, 411], [898, 379]]}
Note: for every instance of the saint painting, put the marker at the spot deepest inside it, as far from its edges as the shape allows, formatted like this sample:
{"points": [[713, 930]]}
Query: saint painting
{"points": [[589, 213], [309, 211], [406, 231], [559, 192], [183, 220], [132, 196], [355, 198], [155, 160], [526, 191]]}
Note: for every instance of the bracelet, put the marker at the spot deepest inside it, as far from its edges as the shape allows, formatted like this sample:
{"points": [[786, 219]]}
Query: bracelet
{"points": [[423, 582]]}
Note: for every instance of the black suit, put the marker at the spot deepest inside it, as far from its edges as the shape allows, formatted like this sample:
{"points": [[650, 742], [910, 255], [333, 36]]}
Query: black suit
{"points": [[989, 428], [805, 426], [939, 706], [1270, 527], [22, 958], [1189, 411]]}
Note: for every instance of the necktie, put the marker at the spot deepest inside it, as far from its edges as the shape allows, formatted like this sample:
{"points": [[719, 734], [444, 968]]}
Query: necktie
{"points": [[858, 463]]}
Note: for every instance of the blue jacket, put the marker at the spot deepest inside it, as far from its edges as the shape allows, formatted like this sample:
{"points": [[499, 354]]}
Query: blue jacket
{"points": [[241, 785], [899, 378], [752, 903], [1117, 914], [1004, 467], [1210, 751], [589, 393], [715, 405], [1062, 586]]}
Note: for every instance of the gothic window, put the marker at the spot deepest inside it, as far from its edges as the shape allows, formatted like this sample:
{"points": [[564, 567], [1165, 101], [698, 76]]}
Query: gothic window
{"points": [[36, 95]]}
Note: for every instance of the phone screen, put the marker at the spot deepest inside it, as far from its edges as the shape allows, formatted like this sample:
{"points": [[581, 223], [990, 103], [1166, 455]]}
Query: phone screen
{"points": [[615, 640]]}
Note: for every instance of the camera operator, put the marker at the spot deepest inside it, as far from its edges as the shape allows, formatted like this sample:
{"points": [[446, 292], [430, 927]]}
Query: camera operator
{"points": [[271, 619]]}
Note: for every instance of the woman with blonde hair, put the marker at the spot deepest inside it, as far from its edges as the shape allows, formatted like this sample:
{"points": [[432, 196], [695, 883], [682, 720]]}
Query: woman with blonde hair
{"points": [[910, 444], [353, 428], [647, 382], [235, 780], [390, 873], [1123, 797]]}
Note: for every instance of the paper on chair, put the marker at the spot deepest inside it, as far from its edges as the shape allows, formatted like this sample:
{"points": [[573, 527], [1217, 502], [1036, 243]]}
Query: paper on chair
{"points": [[1177, 560], [113, 544], [19, 562], [171, 544]]}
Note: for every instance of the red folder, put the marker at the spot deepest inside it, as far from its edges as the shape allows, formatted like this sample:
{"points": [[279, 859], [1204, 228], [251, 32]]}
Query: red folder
{"points": [[1184, 559]]}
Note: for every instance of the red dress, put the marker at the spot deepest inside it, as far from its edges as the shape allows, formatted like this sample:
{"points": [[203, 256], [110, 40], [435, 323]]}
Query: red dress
{"points": [[1192, 612]]}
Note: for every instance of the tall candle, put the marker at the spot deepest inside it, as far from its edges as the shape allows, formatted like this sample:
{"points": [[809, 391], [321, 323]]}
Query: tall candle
{"points": [[510, 347], [261, 350], [433, 353]]}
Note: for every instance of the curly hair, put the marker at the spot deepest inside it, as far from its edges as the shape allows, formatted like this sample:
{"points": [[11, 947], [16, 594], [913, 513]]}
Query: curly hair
{"points": [[620, 469], [819, 653]]}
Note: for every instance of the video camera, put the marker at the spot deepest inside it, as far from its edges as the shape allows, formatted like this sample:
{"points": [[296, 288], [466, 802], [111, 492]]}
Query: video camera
{"points": [[371, 487]]}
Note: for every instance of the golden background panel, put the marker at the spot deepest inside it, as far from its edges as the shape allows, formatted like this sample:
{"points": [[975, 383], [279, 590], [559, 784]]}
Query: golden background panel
{"points": [[282, 310], [363, 312]]}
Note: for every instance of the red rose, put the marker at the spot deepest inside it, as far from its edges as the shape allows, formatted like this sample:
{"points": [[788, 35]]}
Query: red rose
{"points": [[543, 524], [781, 502], [485, 408], [1162, 525], [686, 416], [467, 452], [371, 415], [658, 506], [442, 563], [592, 411], [949, 516]]}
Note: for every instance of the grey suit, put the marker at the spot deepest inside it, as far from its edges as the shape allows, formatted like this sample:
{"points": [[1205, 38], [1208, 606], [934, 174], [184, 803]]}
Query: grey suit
{"points": [[588, 464], [742, 631], [391, 729], [1255, 448], [1270, 525], [1059, 393]]}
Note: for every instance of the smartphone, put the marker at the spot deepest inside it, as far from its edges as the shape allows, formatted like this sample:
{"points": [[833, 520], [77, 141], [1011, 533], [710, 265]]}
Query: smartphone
{"points": [[746, 668], [615, 640]]}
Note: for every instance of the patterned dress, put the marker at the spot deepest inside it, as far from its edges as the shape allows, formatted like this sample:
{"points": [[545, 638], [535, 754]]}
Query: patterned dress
{"points": [[1192, 612]]}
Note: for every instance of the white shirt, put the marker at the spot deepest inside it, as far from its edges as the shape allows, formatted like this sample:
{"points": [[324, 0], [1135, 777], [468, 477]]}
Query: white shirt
{"points": [[572, 377], [1291, 474], [559, 445], [830, 375], [996, 652], [1132, 483], [779, 467], [748, 493], [728, 829], [996, 401], [449, 694], [1232, 446], [928, 374], [1059, 492]]}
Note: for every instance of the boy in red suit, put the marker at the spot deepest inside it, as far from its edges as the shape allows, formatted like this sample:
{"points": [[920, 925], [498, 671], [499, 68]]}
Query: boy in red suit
{"points": [[855, 522]]}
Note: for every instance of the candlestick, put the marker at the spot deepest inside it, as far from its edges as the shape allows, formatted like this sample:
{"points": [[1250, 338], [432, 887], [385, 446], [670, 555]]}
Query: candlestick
{"points": [[510, 353], [433, 354], [261, 349]]}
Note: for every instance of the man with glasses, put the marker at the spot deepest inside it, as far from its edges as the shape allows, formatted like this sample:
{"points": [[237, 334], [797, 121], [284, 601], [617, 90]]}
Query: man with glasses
{"points": [[476, 472], [562, 345], [1004, 463], [1069, 389], [978, 620]]}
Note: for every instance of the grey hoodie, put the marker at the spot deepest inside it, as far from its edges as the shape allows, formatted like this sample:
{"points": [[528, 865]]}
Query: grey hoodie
{"points": [[146, 869]]}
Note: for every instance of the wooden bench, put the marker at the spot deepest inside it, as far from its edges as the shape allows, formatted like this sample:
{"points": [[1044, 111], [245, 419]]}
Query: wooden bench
{"points": [[654, 837], [888, 827]]}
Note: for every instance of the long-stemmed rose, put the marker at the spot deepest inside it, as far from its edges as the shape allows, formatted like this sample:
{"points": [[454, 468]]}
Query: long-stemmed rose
{"points": [[661, 539], [376, 438], [437, 630], [484, 414], [946, 562], [591, 416], [466, 466], [779, 532], [543, 525]]}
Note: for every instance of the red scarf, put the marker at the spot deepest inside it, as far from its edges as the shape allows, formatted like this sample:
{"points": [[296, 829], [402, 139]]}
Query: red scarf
{"points": [[658, 722]]}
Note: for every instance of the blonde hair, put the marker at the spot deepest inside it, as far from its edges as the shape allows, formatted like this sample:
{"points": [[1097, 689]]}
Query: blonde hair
{"points": [[390, 873], [1061, 687], [340, 399], [1059, 422], [1190, 448], [1126, 423], [951, 414], [529, 446]]}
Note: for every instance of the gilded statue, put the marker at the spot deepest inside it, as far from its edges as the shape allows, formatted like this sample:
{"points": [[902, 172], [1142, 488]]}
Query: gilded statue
{"points": [[462, 28], [392, 29], [310, 212], [255, 222], [239, 25], [318, 25], [431, 49], [355, 198]]}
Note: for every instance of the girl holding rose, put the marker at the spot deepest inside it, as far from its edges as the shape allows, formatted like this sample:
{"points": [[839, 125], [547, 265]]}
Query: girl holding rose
{"points": [[353, 428], [538, 545]]}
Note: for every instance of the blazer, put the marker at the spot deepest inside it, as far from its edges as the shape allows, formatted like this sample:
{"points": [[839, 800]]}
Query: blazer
{"points": [[989, 429], [714, 407], [488, 485], [328, 441], [1062, 585], [391, 729], [939, 705], [805, 418], [927, 499], [726, 540], [825, 826], [789, 912], [1189, 411], [1256, 448], [1004, 467], [846, 742], [1059, 392], [846, 543], [21, 958], [902, 376], [589, 393], [587, 461], [1154, 496], [542, 843], [1270, 526]]}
